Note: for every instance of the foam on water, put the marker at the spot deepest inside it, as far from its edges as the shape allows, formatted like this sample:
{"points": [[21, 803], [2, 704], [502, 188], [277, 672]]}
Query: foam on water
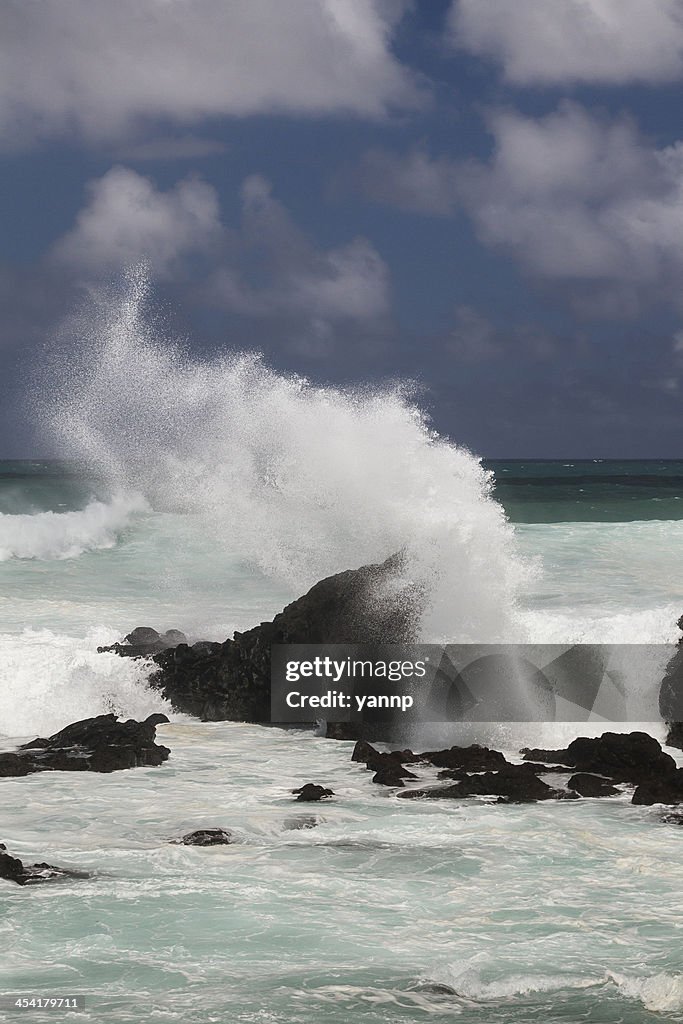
{"points": [[48, 680], [57, 535]]}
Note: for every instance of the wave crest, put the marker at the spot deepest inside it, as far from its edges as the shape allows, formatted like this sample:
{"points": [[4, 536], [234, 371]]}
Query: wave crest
{"points": [[59, 535]]}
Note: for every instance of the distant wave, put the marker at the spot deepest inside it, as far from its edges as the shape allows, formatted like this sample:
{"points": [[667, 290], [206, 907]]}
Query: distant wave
{"points": [[58, 535]]}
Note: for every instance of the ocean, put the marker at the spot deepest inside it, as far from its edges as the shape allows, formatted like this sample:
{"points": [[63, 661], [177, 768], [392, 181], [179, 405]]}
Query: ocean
{"points": [[204, 496]]}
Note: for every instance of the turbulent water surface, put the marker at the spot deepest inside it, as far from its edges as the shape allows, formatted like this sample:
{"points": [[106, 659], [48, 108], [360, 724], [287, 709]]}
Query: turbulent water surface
{"points": [[205, 496]]}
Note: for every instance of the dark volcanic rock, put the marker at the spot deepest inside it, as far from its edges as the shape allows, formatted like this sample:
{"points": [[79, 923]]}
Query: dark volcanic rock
{"points": [[513, 784], [387, 777], [674, 736], [671, 695], [473, 758], [311, 793], [364, 752], [392, 775], [143, 642], [206, 837], [100, 744], [13, 870], [624, 757], [591, 785], [542, 754], [668, 789], [373, 604]]}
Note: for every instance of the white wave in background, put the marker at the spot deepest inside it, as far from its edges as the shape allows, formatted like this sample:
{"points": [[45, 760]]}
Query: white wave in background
{"points": [[58, 535], [48, 680], [305, 481]]}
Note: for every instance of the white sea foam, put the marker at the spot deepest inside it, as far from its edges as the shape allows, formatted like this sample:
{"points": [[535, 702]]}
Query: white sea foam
{"points": [[58, 535], [660, 993], [48, 680], [303, 480]]}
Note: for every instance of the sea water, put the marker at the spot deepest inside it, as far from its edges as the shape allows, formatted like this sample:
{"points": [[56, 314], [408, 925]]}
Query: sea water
{"points": [[204, 496]]}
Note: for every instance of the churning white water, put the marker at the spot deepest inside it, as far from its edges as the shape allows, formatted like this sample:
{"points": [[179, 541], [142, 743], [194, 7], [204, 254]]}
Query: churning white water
{"points": [[301, 481]]}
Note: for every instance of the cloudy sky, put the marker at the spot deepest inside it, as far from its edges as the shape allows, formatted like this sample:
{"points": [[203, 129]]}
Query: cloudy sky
{"points": [[485, 196]]}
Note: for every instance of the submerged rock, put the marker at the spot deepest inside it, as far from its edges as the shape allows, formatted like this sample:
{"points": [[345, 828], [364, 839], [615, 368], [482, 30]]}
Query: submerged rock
{"points": [[512, 784], [215, 682], [101, 744], [310, 793], [13, 870], [299, 824], [206, 837]]}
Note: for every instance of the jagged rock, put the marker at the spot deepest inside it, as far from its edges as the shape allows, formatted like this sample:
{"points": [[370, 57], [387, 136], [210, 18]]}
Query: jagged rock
{"points": [[624, 757], [13, 870], [591, 785], [392, 775], [364, 752], [206, 837], [474, 758], [101, 744], [214, 682], [513, 784], [667, 789], [143, 642], [310, 793]]}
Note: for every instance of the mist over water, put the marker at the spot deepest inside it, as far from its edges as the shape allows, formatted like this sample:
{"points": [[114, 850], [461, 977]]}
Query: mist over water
{"points": [[302, 481]]}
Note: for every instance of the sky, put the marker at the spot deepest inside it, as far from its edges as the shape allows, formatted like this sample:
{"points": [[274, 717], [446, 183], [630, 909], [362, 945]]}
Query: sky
{"points": [[484, 197]]}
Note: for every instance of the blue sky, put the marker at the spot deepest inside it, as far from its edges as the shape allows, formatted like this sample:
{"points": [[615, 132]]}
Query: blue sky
{"points": [[484, 196]]}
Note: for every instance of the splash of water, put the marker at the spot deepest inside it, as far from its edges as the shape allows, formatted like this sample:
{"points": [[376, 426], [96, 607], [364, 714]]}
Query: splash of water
{"points": [[58, 535], [304, 480]]}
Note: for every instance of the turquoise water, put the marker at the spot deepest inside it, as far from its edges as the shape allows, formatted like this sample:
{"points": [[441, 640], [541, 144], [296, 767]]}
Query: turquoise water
{"points": [[385, 911]]}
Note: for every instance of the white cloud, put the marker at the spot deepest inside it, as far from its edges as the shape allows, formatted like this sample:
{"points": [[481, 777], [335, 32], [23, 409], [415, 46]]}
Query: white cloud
{"points": [[127, 219], [572, 196], [350, 281], [265, 267], [602, 41], [102, 69]]}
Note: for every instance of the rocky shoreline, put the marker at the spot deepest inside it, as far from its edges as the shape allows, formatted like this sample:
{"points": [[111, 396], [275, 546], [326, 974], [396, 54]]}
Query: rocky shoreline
{"points": [[373, 604], [611, 765]]}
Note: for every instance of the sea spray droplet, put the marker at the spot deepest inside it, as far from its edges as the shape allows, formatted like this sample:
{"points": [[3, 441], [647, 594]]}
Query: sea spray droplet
{"points": [[304, 481]]}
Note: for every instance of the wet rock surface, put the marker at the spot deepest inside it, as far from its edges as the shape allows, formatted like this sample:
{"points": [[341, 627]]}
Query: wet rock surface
{"points": [[143, 642], [206, 837], [311, 793], [591, 785], [14, 870], [623, 757], [100, 744], [231, 680], [512, 784], [615, 759]]}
